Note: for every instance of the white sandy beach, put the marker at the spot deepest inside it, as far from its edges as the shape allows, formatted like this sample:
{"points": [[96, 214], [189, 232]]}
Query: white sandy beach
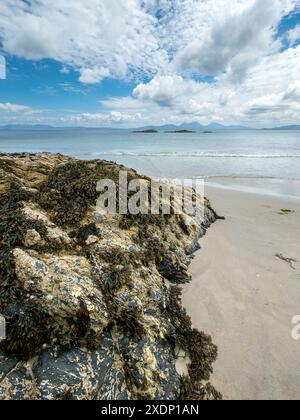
{"points": [[245, 297]]}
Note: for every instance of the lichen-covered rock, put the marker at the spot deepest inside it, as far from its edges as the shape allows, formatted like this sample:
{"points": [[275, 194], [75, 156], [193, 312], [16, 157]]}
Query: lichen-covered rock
{"points": [[87, 300], [61, 285]]}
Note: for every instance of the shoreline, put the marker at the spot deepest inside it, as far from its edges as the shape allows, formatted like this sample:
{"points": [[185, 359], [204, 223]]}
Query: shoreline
{"points": [[245, 296], [272, 187], [280, 188], [252, 190]]}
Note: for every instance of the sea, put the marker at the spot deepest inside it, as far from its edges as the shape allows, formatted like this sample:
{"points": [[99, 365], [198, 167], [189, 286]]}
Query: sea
{"points": [[266, 162]]}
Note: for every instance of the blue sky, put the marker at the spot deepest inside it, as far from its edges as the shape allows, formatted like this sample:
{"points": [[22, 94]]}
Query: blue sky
{"points": [[156, 61], [42, 83]]}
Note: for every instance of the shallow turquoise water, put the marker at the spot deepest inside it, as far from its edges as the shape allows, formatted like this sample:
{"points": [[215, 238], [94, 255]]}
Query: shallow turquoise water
{"points": [[264, 155]]}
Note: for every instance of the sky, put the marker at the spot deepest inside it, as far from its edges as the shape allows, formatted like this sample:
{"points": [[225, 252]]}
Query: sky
{"points": [[130, 63]]}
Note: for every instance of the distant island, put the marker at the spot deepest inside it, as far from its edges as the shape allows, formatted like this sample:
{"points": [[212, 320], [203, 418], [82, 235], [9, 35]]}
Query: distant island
{"points": [[146, 132], [181, 132]]}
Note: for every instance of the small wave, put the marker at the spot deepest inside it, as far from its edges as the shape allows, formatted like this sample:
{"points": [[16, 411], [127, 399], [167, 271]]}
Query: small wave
{"points": [[192, 155], [246, 177]]}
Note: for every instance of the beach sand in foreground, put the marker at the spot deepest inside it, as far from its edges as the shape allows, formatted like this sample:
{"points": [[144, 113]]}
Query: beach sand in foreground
{"points": [[246, 297]]}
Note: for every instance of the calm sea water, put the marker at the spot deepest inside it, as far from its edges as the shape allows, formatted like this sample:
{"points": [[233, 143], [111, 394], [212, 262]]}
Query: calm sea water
{"points": [[267, 160]]}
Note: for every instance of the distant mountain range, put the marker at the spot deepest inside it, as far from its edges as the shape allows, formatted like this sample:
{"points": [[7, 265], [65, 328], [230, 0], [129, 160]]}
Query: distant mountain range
{"points": [[26, 127], [168, 127], [196, 127], [285, 128], [40, 127]]}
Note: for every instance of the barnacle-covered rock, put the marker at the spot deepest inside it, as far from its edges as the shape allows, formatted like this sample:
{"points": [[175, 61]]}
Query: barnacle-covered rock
{"points": [[61, 285], [89, 309]]}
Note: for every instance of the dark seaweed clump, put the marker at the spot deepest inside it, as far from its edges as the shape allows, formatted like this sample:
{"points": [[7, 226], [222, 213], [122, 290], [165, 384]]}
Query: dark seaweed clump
{"points": [[197, 345], [82, 234], [191, 392], [13, 229], [68, 192], [130, 322], [72, 188], [27, 329]]}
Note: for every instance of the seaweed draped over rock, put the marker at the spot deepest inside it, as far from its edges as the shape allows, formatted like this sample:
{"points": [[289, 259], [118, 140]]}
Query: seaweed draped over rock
{"points": [[87, 300]]}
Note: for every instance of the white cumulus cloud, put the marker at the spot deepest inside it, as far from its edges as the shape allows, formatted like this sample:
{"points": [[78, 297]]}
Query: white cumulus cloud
{"points": [[269, 95], [91, 76], [2, 67], [294, 35], [236, 41], [8, 107], [97, 38], [134, 38], [165, 90]]}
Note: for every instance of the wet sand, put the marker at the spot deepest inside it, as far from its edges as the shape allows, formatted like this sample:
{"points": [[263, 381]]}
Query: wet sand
{"points": [[246, 297]]}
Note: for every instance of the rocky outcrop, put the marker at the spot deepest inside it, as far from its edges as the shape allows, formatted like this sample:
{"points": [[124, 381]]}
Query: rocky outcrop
{"points": [[92, 303]]}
